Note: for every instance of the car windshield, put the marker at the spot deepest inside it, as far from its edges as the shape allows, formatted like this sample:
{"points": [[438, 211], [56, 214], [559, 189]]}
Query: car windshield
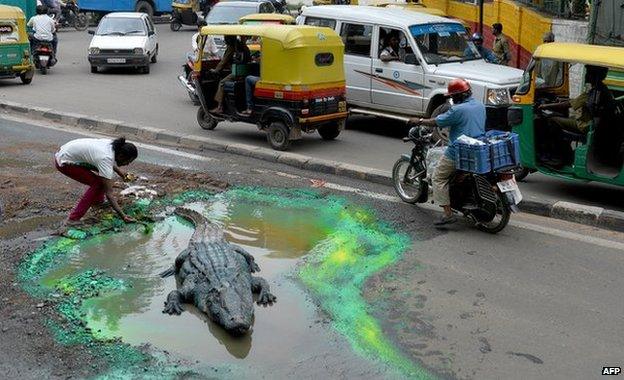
{"points": [[443, 43], [227, 14], [121, 26]]}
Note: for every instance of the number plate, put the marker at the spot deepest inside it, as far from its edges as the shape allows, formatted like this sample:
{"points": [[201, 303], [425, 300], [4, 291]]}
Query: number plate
{"points": [[508, 185], [116, 60]]}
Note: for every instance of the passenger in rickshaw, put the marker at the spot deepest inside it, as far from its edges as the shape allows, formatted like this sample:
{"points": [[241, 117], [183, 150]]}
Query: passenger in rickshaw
{"points": [[236, 52], [250, 85], [594, 104]]}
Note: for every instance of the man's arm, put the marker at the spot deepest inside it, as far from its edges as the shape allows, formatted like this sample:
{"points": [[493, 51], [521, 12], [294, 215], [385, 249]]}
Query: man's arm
{"points": [[421, 121], [120, 172], [227, 57], [553, 106], [108, 190]]}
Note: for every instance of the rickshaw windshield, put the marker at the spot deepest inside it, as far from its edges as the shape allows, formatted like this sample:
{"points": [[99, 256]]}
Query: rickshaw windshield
{"points": [[9, 32], [444, 43], [121, 26], [525, 82]]}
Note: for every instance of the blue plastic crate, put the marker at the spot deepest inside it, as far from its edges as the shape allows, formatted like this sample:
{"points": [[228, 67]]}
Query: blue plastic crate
{"points": [[505, 149], [472, 158]]}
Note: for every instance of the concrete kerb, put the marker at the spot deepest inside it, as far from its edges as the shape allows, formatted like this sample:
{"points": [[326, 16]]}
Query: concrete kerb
{"points": [[588, 215]]}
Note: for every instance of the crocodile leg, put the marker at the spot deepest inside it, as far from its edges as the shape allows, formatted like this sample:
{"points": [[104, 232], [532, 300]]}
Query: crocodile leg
{"points": [[178, 263], [177, 297], [261, 286], [253, 267]]}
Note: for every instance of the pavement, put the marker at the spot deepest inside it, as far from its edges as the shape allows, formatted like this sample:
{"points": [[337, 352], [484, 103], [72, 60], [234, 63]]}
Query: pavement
{"points": [[158, 101], [538, 300]]}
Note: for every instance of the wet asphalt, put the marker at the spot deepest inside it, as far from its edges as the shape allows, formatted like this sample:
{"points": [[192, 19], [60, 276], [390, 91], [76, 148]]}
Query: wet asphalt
{"points": [[542, 299]]}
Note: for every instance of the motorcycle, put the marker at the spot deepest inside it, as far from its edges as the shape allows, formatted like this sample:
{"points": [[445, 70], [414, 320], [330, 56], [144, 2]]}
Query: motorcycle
{"points": [[186, 79], [43, 56], [486, 199], [72, 17]]}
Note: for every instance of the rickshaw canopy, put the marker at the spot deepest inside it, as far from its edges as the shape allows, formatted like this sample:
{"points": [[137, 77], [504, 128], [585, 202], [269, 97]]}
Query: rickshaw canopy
{"points": [[13, 23], [9, 12], [606, 56], [292, 54], [267, 18]]}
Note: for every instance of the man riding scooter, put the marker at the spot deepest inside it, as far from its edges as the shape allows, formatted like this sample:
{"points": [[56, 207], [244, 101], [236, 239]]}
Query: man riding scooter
{"points": [[465, 117], [44, 30]]}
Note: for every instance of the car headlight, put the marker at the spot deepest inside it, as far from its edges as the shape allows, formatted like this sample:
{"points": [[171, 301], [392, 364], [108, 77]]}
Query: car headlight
{"points": [[138, 50], [94, 50], [498, 96]]}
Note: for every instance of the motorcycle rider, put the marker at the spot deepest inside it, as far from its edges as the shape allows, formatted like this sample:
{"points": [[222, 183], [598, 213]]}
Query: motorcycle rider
{"points": [[45, 29], [465, 117]]}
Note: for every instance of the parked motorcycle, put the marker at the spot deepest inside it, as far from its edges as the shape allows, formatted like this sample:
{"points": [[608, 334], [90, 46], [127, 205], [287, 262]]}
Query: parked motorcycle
{"points": [[72, 17], [486, 199], [43, 56]]}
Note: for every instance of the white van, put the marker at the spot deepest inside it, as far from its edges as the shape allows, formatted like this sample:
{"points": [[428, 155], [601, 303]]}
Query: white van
{"points": [[432, 51]]}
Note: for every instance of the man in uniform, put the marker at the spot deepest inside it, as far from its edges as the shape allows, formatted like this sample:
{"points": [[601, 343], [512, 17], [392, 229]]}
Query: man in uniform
{"points": [[501, 45]]}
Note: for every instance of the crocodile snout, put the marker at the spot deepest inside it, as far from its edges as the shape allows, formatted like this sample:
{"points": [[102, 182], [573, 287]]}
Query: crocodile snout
{"points": [[237, 326]]}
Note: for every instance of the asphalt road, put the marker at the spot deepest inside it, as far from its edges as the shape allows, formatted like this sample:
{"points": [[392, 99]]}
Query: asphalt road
{"points": [[158, 100], [542, 299]]}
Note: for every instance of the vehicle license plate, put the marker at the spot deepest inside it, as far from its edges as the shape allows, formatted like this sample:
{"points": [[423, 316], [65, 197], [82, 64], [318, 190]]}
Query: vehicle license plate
{"points": [[508, 185], [116, 60]]}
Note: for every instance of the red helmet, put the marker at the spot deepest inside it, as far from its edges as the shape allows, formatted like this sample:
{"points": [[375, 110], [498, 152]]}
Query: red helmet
{"points": [[457, 86]]}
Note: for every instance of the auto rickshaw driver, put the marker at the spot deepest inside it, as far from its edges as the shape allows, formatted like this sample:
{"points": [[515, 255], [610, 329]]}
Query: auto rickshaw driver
{"points": [[235, 52]]}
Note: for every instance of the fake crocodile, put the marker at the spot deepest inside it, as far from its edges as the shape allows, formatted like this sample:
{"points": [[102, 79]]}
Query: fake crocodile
{"points": [[215, 276]]}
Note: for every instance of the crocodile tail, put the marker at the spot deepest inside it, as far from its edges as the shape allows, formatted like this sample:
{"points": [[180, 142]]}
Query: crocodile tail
{"points": [[168, 272], [191, 215], [205, 230]]}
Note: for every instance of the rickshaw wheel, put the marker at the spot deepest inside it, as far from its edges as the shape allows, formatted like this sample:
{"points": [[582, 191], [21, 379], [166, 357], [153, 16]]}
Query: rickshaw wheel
{"points": [[24, 79], [175, 26], [205, 120], [277, 135], [329, 131]]}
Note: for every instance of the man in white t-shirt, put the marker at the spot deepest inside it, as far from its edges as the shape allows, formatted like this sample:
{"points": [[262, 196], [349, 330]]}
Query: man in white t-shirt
{"points": [[93, 162], [44, 28]]}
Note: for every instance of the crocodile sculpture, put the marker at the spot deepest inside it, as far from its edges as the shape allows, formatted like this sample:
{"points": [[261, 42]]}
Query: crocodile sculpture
{"points": [[215, 276]]}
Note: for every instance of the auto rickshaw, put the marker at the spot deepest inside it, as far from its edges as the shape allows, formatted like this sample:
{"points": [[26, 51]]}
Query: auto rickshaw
{"points": [[301, 84], [598, 154], [15, 57], [184, 12]]}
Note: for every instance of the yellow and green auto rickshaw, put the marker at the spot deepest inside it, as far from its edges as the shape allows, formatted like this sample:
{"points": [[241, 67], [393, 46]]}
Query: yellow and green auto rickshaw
{"points": [[593, 148], [267, 18], [15, 57], [300, 83], [183, 12]]}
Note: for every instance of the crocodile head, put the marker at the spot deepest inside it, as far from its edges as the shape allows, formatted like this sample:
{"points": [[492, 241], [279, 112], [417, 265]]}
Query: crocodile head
{"points": [[230, 307]]}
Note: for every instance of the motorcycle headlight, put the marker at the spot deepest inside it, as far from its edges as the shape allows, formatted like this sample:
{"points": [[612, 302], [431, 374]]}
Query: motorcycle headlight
{"points": [[498, 96], [138, 50], [94, 50]]}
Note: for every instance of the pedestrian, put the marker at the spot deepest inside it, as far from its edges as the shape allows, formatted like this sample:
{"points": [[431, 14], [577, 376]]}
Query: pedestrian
{"points": [[93, 162], [548, 37], [501, 45], [465, 117]]}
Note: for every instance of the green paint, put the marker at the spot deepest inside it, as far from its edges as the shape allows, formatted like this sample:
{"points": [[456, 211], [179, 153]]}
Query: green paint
{"points": [[352, 245]]}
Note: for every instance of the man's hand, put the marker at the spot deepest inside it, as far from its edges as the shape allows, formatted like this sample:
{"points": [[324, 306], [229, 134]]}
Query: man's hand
{"points": [[416, 121]]}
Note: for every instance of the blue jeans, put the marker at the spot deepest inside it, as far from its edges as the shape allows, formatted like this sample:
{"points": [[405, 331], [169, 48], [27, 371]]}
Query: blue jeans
{"points": [[250, 84]]}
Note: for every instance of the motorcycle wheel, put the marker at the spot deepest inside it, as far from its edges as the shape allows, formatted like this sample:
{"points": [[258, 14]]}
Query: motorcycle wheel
{"points": [[81, 21], [500, 220], [523, 174], [43, 70], [409, 185], [175, 26]]}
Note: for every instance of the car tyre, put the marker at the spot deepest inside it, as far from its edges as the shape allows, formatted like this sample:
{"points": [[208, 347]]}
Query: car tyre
{"points": [[277, 135], [145, 7], [205, 120], [155, 56], [329, 131], [94, 69], [145, 69]]}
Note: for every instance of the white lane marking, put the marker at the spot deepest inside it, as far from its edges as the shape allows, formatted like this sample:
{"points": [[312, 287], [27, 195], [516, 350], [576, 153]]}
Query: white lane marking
{"points": [[155, 148], [569, 235]]}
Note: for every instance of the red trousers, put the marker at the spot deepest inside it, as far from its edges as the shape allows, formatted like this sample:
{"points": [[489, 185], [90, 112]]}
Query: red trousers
{"points": [[94, 194]]}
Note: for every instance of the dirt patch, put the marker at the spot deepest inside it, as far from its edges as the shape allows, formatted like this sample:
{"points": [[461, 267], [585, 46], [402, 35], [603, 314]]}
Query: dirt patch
{"points": [[35, 199]]}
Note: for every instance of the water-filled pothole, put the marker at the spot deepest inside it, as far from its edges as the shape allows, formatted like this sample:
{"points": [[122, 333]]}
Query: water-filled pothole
{"points": [[290, 331]]}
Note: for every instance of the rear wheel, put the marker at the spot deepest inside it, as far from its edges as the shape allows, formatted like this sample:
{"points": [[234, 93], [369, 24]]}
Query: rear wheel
{"points": [[277, 135], [145, 7], [523, 174], [155, 56], [408, 182], [25, 78], [43, 70], [500, 220], [81, 21], [205, 120], [175, 25], [329, 131]]}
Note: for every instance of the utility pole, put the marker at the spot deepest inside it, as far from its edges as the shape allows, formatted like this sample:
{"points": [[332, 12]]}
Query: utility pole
{"points": [[481, 16]]}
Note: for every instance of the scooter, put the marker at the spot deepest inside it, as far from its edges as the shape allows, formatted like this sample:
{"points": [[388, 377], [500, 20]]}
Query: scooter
{"points": [[485, 199], [43, 56]]}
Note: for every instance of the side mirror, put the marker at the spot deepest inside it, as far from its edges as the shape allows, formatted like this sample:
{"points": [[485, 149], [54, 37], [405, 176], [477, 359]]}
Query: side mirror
{"points": [[411, 59], [91, 31]]}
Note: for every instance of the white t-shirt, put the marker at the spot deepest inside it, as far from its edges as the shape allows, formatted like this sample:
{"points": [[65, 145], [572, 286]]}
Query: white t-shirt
{"points": [[44, 27], [210, 47], [95, 153]]}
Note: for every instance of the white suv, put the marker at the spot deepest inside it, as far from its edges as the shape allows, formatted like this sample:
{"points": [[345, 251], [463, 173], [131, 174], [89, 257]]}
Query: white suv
{"points": [[433, 50], [124, 39]]}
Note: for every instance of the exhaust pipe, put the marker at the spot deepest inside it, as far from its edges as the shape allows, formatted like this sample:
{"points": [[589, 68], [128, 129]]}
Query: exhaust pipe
{"points": [[189, 87]]}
